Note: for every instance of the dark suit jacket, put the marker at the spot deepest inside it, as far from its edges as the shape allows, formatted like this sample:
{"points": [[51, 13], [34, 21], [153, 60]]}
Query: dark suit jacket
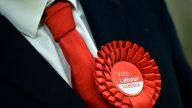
{"points": [[28, 81]]}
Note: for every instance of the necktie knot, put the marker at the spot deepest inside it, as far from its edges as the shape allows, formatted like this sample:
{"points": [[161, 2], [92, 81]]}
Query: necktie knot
{"points": [[59, 19]]}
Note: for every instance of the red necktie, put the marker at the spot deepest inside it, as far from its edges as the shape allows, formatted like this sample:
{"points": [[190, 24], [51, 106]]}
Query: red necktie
{"points": [[60, 21]]}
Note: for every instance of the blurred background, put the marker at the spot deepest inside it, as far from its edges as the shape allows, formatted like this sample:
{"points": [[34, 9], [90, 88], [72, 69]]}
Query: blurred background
{"points": [[181, 13]]}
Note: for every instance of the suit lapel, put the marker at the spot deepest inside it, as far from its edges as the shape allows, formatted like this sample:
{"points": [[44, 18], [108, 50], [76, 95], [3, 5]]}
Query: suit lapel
{"points": [[106, 20], [144, 22], [137, 21], [29, 70]]}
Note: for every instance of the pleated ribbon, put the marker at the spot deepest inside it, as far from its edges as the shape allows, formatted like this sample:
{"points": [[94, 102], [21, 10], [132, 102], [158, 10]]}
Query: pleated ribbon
{"points": [[115, 52]]}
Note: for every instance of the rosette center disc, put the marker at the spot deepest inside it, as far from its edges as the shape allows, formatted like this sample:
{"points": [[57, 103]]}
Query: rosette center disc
{"points": [[127, 78]]}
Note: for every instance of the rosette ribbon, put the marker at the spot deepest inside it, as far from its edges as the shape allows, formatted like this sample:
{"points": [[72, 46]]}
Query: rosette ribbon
{"points": [[124, 51]]}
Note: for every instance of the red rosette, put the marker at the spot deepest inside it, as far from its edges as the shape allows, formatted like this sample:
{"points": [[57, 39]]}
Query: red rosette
{"points": [[126, 76]]}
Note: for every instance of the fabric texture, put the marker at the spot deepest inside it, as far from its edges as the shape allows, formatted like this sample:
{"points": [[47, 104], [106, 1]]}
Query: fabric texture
{"points": [[148, 24], [27, 79], [21, 14], [59, 19]]}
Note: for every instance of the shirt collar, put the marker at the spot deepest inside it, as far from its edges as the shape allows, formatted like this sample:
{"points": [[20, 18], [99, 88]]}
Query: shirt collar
{"points": [[25, 15]]}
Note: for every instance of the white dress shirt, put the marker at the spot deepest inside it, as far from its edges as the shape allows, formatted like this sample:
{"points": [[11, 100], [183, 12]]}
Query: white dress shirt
{"points": [[25, 15]]}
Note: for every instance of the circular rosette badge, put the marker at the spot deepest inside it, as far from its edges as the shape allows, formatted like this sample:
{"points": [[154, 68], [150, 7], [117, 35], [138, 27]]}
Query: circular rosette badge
{"points": [[126, 76]]}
